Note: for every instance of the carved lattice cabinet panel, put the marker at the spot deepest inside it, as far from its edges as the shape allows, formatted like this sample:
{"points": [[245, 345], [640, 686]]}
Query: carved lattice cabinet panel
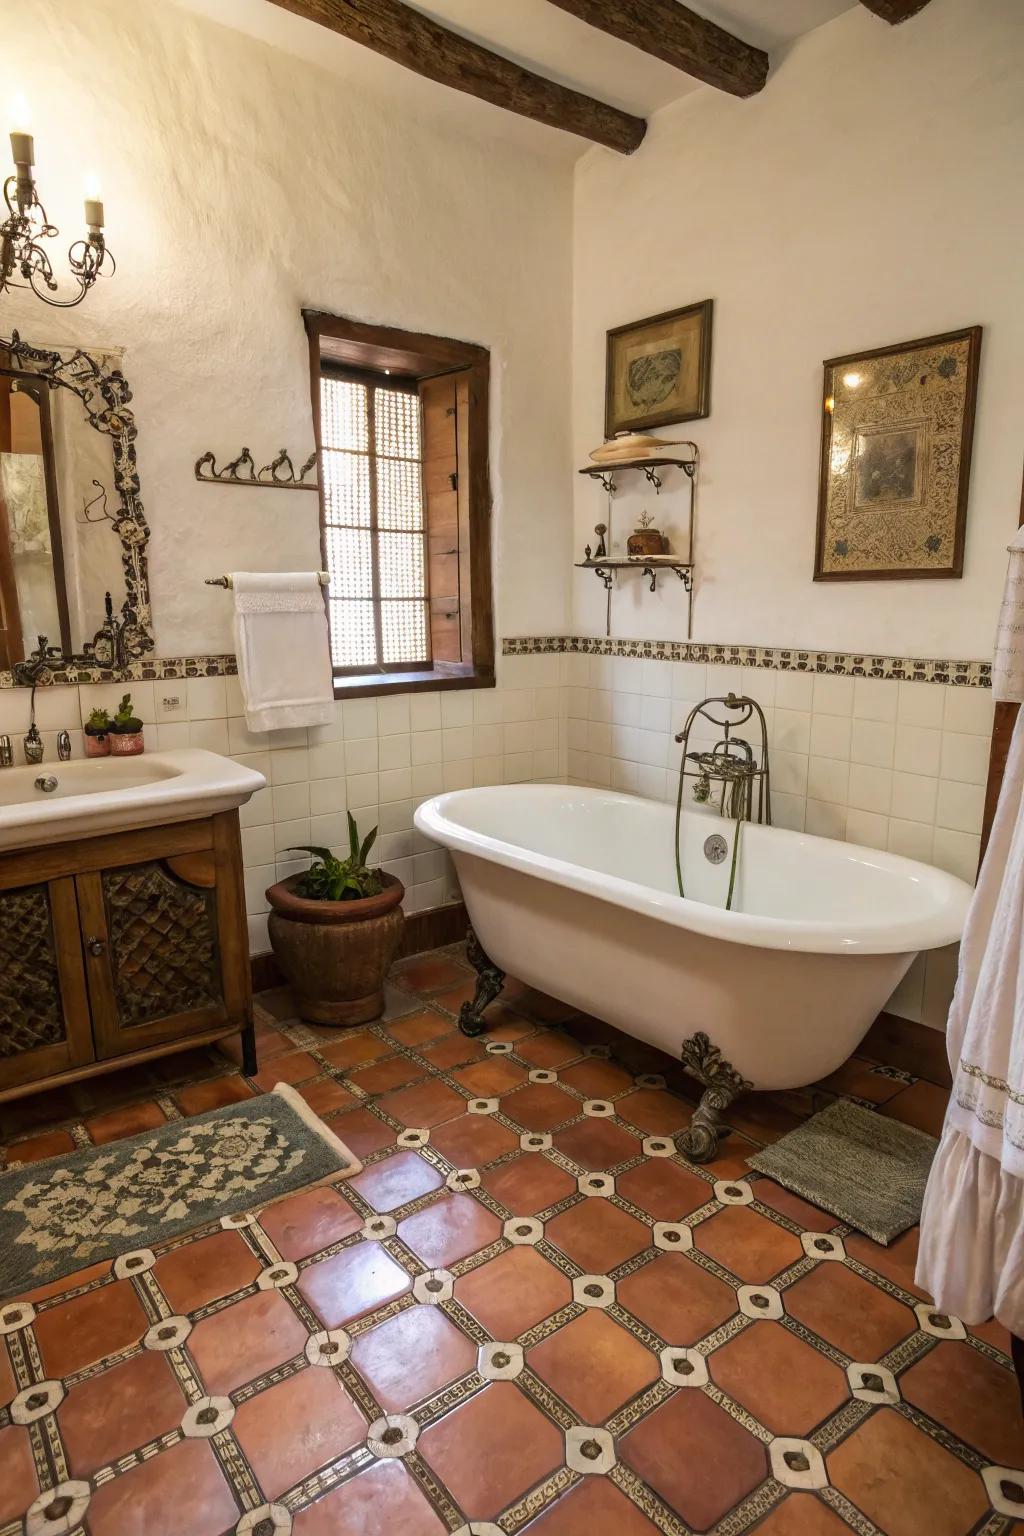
{"points": [[44, 1016]]}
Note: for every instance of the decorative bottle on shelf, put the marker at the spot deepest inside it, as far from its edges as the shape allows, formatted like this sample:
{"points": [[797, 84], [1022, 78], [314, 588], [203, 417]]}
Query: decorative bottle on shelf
{"points": [[646, 540]]}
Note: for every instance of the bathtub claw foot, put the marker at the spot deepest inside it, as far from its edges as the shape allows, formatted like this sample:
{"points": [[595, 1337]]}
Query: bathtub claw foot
{"points": [[489, 982], [722, 1084]]}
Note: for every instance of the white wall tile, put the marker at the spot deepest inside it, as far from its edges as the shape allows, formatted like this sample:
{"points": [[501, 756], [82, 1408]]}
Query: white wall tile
{"points": [[828, 778], [290, 801], [872, 742], [394, 751], [957, 852], [968, 709], [326, 795], [175, 734], [791, 730], [289, 766], [875, 698], [457, 709], [425, 708], [918, 748], [359, 717], [965, 758], [362, 790], [911, 839], [830, 736], [393, 714], [921, 704], [914, 796], [362, 754], [867, 829], [870, 789], [394, 784], [788, 773], [832, 695], [211, 735], [960, 807], [207, 698], [327, 760], [794, 690], [824, 819]]}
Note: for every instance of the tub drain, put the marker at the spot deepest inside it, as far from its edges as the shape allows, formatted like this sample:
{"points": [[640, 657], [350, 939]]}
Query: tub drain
{"points": [[715, 848]]}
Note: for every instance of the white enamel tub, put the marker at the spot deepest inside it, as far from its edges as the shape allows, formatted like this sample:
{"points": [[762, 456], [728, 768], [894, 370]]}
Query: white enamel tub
{"points": [[573, 891]]}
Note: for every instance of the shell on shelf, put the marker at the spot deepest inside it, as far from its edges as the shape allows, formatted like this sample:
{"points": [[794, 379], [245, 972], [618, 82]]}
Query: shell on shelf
{"points": [[632, 446]]}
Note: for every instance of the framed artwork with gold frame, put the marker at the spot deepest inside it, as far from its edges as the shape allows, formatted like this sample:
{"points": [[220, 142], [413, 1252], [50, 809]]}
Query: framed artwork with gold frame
{"points": [[658, 370], [896, 436]]}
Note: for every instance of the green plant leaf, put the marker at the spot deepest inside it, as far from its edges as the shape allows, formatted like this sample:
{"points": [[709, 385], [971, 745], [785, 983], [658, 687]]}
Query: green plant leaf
{"points": [[324, 854], [370, 839], [353, 837]]}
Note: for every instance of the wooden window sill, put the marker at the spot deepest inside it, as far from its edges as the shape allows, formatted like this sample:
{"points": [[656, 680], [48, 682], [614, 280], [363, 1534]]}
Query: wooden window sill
{"points": [[424, 680]]}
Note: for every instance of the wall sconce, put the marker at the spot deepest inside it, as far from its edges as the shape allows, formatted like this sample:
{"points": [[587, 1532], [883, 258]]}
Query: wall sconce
{"points": [[23, 261]]}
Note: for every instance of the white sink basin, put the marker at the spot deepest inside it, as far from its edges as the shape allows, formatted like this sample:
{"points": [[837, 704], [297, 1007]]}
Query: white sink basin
{"points": [[113, 794]]}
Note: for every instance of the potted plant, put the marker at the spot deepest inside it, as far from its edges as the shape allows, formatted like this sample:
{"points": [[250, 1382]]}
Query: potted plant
{"points": [[126, 739], [97, 734], [335, 930]]}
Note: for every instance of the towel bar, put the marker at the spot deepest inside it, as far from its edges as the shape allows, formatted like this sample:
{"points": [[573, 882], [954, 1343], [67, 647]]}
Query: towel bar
{"points": [[322, 577]]}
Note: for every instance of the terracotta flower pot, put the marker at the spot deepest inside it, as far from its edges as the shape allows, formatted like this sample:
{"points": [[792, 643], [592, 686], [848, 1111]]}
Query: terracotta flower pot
{"points": [[335, 954]]}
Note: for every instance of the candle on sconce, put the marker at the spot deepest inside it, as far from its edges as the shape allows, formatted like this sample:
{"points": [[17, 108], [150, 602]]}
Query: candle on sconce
{"points": [[22, 147], [93, 203]]}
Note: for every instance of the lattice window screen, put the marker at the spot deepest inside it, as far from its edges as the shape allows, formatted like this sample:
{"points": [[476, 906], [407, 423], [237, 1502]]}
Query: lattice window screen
{"points": [[373, 525]]}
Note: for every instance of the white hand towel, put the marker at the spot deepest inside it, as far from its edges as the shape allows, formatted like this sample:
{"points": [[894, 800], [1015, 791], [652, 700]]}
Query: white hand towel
{"points": [[283, 649]]}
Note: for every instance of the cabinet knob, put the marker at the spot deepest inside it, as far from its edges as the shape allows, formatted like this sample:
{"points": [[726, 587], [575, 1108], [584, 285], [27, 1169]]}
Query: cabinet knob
{"points": [[95, 946]]}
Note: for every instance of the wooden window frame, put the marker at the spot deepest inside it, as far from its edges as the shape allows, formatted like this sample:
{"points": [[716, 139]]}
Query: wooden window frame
{"points": [[347, 347]]}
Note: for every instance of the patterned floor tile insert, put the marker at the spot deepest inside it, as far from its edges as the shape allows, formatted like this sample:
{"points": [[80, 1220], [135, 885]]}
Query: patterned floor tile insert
{"points": [[510, 1321]]}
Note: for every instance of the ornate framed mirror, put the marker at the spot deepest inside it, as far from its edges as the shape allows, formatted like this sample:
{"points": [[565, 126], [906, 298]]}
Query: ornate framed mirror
{"points": [[74, 585]]}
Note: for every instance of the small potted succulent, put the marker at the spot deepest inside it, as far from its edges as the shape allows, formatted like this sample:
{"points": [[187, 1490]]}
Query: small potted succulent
{"points": [[335, 929], [126, 739], [97, 734]]}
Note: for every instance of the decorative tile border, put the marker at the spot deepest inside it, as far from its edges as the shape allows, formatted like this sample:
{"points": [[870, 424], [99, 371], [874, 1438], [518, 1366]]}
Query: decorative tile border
{"points": [[970, 674], [150, 669]]}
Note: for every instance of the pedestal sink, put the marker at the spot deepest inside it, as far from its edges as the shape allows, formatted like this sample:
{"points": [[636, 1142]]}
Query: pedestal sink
{"points": [[104, 795]]}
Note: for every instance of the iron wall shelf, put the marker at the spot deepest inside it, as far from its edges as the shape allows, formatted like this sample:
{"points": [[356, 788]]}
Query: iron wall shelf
{"points": [[606, 472], [651, 568]]}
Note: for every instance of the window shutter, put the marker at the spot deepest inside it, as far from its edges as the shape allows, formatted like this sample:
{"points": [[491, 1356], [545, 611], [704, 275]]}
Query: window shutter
{"points": [[446, 542]]}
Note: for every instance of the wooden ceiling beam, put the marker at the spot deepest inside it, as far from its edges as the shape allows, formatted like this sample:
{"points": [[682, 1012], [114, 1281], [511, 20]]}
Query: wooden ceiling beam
{"points": [[895, 11], [671, 31], [419, 43]]}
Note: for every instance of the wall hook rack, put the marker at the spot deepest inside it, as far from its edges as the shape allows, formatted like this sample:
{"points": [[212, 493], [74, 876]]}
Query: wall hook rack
{"points": [[278, 475]]}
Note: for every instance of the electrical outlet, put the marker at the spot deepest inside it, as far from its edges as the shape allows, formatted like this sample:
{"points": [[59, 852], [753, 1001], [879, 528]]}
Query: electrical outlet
{"points": [[171, 706]]}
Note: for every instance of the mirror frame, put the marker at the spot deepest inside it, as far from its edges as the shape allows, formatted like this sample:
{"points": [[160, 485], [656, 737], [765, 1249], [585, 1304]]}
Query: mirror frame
{"points": [[105, 395]]}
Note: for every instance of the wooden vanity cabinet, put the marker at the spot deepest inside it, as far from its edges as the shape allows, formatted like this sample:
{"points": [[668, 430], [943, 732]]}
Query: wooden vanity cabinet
{"points": [[120, 948]]}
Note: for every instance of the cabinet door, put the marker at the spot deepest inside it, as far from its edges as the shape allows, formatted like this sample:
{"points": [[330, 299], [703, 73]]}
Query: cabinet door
{"points": [[152, 945], [44, 1012]]}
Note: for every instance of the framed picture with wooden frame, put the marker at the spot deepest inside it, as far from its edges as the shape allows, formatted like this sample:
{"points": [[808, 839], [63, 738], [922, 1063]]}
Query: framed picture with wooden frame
{"points": [[896, 436], [658, 370]]}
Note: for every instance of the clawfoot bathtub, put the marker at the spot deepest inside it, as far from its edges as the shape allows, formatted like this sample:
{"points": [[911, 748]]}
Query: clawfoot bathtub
{"points": [[573, 891]]}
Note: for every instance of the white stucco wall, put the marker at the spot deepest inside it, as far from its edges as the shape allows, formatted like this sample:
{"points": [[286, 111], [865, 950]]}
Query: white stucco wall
{"points": [[241, 184], [871, 194]]}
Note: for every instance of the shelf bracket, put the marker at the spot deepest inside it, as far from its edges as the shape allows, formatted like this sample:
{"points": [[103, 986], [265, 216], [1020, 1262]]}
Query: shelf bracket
{"points": [[653, 477]]}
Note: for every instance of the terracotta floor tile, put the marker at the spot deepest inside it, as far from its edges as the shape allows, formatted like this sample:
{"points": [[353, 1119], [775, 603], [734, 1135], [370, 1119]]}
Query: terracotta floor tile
{"points": [[452, 998], [897, 1262], [663, 1189], [731, 1162], [540, 1106], [18, 1485], [471, 1141], [803, 1514], [597, 1235], [973, 1396], [430, 973], [754, 1248], [596, 1507], [108, 1415], [491, 1078], [35, 1148], [363, 1132], [763, 1117], [202, 1271], [904, 1481], [597, 1143], [352, 1282], [788, 1385], [993, 1333], [197, 1098], [594, 1365], [492, 1449], [313, 1399], [418, 1028], [87, 1328], [396, 1180], [857, 1076], [723, 1461], [596, 1079], [326, 1096], [808, 1216], [654, 1111], [181, 1492], [453, 1050], [922, 1105], [851, 1313], [128, 1121], [293, 1067], [550, 1050], [244, 1341], [71, 1282], [512, 1292], [425, 1104], [355, 1049], [505, 1023], [386, 1075], [677, 1298], [449, 1229], [8, 1381], [528, 1184], [411, 1357], [384, 1498]]}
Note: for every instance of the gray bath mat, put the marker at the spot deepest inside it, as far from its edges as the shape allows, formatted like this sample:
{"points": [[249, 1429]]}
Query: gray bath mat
{"points": [[865, 1169]]}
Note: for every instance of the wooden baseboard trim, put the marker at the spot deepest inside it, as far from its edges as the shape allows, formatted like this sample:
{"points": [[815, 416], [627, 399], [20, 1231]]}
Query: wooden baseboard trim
{"points": [[910, 1046], [432, 929]]}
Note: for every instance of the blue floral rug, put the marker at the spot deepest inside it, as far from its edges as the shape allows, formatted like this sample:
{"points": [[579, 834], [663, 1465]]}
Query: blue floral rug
{"points": [[59, 1215]]}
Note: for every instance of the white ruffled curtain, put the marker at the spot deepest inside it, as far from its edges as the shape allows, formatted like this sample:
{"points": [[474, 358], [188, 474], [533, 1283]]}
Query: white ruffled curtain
{"points": [[972, 1226]]}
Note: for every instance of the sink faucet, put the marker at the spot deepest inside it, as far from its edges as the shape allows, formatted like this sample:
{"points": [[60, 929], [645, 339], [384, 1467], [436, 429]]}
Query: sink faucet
{"points": [[6, 754], [63, 746]]}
